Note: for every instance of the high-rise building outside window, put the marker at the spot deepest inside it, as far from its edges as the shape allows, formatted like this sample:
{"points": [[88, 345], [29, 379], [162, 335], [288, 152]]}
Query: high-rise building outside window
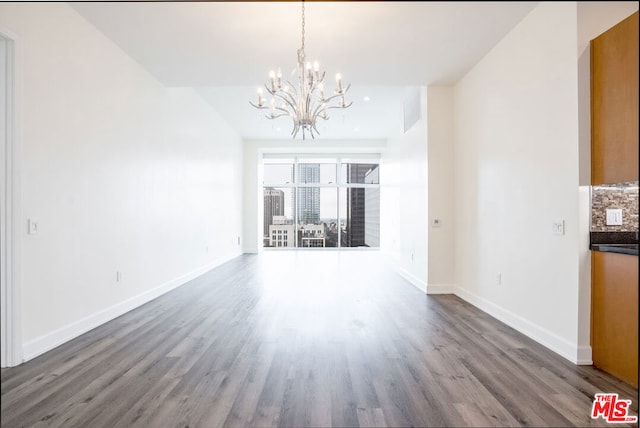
{"points": [[321, 201]]}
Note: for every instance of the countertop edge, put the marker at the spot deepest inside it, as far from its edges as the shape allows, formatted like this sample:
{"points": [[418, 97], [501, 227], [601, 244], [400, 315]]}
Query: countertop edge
{"points": [[604, 248]]}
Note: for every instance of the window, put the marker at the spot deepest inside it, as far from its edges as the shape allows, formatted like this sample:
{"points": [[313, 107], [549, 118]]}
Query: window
{"points": [[321, 201]]}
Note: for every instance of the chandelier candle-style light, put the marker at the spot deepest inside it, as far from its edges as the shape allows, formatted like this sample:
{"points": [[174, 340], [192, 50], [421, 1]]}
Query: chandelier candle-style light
{"points": [[308, 102]]}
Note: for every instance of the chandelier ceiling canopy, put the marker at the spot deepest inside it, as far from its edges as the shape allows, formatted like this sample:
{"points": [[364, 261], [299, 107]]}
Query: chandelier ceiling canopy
{"points": [[306, 102]]}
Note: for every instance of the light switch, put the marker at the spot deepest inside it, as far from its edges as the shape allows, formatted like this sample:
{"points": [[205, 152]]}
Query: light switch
{"points": [[614, 217]]}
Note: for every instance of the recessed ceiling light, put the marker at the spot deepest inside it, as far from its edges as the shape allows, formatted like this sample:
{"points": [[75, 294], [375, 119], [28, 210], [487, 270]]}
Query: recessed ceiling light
{"points": [[366, 99], [356, 129]]}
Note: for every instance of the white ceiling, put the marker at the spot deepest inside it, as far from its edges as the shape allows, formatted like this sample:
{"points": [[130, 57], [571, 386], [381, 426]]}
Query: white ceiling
{"points": [[385, 49]]}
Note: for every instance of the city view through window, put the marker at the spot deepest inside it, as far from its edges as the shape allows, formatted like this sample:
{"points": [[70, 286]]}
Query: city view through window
{"points": [[321, 202]]}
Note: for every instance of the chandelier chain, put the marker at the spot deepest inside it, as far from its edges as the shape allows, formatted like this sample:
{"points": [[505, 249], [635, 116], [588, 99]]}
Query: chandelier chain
{"points": [[303, 22]]}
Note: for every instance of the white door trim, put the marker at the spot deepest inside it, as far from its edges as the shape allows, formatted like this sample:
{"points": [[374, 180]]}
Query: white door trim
{"points": [[11, 205]]}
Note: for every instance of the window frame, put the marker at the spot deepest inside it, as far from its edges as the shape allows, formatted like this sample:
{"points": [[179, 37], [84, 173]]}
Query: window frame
{"points": [[301, 158]]}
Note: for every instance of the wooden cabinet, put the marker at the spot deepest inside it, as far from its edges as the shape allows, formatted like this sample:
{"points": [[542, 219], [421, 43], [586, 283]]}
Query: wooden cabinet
{"points": [[614, 314], [614, 104]]}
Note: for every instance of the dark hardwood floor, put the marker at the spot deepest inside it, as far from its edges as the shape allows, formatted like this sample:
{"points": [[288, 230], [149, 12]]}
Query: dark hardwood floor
{"points": [[303, 339]]}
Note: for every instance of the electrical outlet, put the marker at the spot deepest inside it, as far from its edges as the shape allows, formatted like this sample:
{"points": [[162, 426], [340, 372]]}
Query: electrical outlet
{"points": [[614, 217], [33, 227]]}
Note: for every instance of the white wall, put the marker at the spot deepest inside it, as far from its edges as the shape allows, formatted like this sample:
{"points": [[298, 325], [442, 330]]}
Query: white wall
{"points": [[404, 202], [252, 191], [440, 191], [516, 172], [121, 173], [519, 153]]}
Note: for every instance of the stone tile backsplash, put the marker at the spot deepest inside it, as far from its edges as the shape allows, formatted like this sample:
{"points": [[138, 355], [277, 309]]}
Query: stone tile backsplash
{"points": [[622, 196]]}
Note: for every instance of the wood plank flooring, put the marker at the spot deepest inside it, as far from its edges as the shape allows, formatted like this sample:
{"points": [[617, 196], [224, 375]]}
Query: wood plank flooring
{"points": [[303, 339]]}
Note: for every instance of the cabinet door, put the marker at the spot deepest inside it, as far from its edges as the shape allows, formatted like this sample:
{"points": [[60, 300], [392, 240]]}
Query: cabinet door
{"points": [[614, 314], [614, 104]]}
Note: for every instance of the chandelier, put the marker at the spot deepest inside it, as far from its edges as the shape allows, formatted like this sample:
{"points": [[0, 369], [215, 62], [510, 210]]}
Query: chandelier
{"points": [[306, 103]]}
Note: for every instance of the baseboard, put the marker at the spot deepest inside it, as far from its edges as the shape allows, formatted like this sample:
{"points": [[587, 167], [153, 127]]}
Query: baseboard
{"points": [[440, 288], [415, 281], [64, 334], [562, 347], [585, 357]]}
